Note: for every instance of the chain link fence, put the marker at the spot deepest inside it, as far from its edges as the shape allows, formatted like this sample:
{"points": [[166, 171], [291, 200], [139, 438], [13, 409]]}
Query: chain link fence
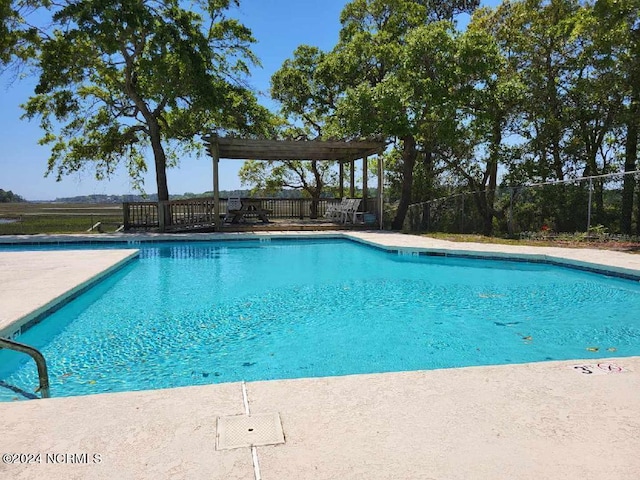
{"points": [[586, 204]]}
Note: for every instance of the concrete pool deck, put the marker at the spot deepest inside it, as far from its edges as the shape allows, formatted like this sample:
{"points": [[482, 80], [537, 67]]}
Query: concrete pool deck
{"points": [[529, 421]]}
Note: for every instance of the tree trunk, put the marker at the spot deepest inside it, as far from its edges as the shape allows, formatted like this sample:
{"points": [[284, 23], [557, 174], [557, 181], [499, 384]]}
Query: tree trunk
{"points": [[598, 190], [317, 191], [638, 209], [553, 124], [315, 202], [409, 154], [492, 171], [428, 173], [480, 198], [630, 164], [598, 184], [160, 160]]}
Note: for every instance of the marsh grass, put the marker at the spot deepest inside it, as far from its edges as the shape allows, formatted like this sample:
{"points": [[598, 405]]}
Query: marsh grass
{"points": [[32, 218]]}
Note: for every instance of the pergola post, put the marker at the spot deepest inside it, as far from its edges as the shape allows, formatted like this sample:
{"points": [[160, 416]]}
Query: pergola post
{"points": [[365, 161], [341, 175], [380, 190], [215, 155], [352, 178]]}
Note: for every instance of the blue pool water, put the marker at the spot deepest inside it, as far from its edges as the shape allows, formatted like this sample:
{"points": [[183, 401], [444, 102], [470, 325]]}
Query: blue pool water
{"points": [[200, 313]]}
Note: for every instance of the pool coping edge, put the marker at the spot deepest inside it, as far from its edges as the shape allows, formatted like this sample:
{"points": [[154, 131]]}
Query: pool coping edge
{"points": [[545, 258], [24, 323]]}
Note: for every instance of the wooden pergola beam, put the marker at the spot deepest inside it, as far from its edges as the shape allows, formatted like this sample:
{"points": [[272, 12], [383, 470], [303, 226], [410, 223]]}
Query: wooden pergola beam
{"points": [[252, 149]]}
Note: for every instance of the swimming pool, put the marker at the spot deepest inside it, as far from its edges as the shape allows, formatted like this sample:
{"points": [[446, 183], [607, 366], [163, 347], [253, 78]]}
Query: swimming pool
{"points": [[208, 312]]}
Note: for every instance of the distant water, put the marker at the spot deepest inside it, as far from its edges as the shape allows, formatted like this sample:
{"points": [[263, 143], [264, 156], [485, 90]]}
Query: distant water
{"points": [[199, 313]]}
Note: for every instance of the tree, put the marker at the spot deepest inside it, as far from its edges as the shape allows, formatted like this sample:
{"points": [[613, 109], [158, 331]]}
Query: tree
{"points": [[538, 40], [618, 37], [118, 77], [8, 35], [7, 196], [485, 92], [312, 177], [538, 36], [431, 79], [12, 33], [378, 99], [594, 103], [306, 89], [572, 97]]}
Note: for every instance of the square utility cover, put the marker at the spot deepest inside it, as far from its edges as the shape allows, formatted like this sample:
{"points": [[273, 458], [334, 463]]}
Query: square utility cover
{"points": [[237, 431]]}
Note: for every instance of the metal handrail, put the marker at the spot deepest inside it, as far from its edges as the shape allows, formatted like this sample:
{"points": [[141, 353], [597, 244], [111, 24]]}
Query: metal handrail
{"points": [[37, 357]]}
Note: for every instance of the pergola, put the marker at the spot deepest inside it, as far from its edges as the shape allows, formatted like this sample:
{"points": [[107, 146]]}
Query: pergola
{"points": [[340, 151]]}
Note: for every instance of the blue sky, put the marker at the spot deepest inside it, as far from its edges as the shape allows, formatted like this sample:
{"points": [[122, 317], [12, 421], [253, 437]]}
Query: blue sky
{"points": [[279, 26]]}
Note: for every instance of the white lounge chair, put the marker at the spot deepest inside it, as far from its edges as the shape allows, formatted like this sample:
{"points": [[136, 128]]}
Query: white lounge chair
{"points": [[334, 211], [350, 212]]}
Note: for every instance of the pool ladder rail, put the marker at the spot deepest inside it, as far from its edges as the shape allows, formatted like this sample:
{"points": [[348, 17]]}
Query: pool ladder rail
{"points": [[41, 363]]}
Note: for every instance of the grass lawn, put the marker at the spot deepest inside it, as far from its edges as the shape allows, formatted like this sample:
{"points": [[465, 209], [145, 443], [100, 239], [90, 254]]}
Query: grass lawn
{"points": [[570, 241], [31, 218]]}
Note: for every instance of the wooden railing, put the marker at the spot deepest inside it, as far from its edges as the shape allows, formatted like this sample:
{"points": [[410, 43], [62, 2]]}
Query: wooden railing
{"points": [[186, 214], [198, 212], [140, 215]]}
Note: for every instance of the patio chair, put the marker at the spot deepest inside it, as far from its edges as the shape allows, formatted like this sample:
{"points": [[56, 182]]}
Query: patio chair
{"points": [[350, 211], [334, 211], [233, 204]]}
